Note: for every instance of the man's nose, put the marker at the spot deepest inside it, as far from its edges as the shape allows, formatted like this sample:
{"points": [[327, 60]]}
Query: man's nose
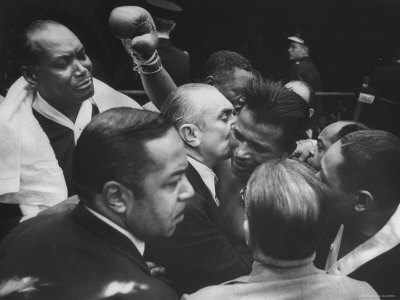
{"points": [[242, 150], [232, 120], [186, 190], [80, 68]]}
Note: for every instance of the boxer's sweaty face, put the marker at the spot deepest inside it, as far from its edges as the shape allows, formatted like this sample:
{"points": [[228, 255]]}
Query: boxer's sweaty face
{"points": [[252, 144]]}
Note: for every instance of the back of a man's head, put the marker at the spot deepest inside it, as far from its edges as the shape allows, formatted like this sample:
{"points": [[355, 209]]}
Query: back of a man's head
{"points": [[164, 25], [285, 210], [371, 162], [272, 104], [164, 14], [180, 106], [111, 147], [222, 64]]}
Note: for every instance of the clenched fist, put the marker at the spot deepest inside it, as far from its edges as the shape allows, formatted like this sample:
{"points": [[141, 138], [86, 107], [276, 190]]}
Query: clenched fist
{"points": [[135, 27]]}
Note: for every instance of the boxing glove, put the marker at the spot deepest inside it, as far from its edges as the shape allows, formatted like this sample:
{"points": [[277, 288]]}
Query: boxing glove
{"points": [[135, 27]]}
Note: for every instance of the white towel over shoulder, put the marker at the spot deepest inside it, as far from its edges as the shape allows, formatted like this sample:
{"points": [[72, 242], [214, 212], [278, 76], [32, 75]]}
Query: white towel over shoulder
{"points": [[29, 171]]}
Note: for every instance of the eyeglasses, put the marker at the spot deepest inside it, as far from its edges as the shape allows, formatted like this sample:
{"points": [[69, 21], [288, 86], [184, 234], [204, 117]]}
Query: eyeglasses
{"points": [[243, 194]]}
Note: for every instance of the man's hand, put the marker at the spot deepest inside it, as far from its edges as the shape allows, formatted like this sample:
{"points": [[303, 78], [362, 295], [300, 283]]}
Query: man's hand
{"points": [[304, 150], [154, 269], [134, 26]]}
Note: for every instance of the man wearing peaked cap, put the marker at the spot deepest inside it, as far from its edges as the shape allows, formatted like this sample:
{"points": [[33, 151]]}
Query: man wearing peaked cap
{"points": [[175, 61], [303, 68]]}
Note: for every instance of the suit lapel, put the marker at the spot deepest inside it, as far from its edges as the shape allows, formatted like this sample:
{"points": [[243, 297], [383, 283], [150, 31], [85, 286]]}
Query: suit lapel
{"points": [[198, 184], [108, 235]]}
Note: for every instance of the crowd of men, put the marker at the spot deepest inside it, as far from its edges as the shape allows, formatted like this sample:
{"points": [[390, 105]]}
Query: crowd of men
{"points": [[219, 195]]}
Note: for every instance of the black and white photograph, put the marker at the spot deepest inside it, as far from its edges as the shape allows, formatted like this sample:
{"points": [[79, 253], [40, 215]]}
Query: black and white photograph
{"points": [[199, 149]]}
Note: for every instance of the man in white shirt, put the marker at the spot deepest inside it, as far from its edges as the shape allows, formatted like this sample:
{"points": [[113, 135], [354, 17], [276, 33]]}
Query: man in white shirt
{"points": [[363, 169], [61, 93], [132, 190], [200, 252]]}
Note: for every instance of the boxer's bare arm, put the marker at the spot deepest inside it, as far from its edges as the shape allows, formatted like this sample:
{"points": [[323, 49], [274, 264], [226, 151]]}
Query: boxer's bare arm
{"points": [[158, 86]]}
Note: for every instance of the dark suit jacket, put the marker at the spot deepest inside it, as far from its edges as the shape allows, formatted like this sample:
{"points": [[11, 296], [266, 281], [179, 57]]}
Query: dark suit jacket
{"points": [[386, 81], [75, 255], [200, 252], [306, 71], [175, 61], [382, 273]]}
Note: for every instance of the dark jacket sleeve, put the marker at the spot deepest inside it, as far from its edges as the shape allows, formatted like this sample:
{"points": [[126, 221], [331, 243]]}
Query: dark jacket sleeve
{"points": [[199, 253]]}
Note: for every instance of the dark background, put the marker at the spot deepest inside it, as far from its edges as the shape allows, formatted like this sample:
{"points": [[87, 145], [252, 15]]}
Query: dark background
{"points": [[349, 38]]}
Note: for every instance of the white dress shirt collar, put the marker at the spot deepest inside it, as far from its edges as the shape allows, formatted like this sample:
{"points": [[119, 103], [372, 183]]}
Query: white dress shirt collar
{"points": [[49, 112], [207, 175], [136, 242], [385, 239]]}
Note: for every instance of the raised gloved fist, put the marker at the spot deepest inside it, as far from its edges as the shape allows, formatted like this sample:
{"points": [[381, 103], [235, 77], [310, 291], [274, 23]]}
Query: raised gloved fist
{"points": [[135, 27]]}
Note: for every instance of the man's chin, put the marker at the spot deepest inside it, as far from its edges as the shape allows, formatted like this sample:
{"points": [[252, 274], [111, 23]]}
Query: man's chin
{"points": [[86, 94]]}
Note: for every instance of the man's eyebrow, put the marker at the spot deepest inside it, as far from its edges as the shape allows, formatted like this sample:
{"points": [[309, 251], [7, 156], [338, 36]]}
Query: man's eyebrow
{"points": [[63, 56], [265, 147], [179, 171], [226, 111], [249, 141]]}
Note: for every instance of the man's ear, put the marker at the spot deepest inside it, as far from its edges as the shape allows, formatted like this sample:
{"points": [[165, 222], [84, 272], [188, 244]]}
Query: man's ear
{"points": [[364, 201], [190, 134], [246, 229], [115, 196], [210, 80], [311, 112], [29, 75]]}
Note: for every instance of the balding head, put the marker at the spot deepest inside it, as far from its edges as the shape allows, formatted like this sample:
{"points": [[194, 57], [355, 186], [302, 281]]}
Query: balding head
{"points": [[186, 104], [31, 40], [203, 118], [56, 65], [330, 135]]}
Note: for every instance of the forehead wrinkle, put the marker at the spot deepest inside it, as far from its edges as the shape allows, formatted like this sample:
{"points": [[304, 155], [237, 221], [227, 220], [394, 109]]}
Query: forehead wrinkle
{"points": [[49, 45]]}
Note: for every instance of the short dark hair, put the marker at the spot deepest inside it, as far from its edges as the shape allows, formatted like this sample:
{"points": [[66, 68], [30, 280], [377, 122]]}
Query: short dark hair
{"points": [[272, 104], [111, 147], [352, 126], [27, 53], [285, 207], [371, 162], [221, 65]]}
